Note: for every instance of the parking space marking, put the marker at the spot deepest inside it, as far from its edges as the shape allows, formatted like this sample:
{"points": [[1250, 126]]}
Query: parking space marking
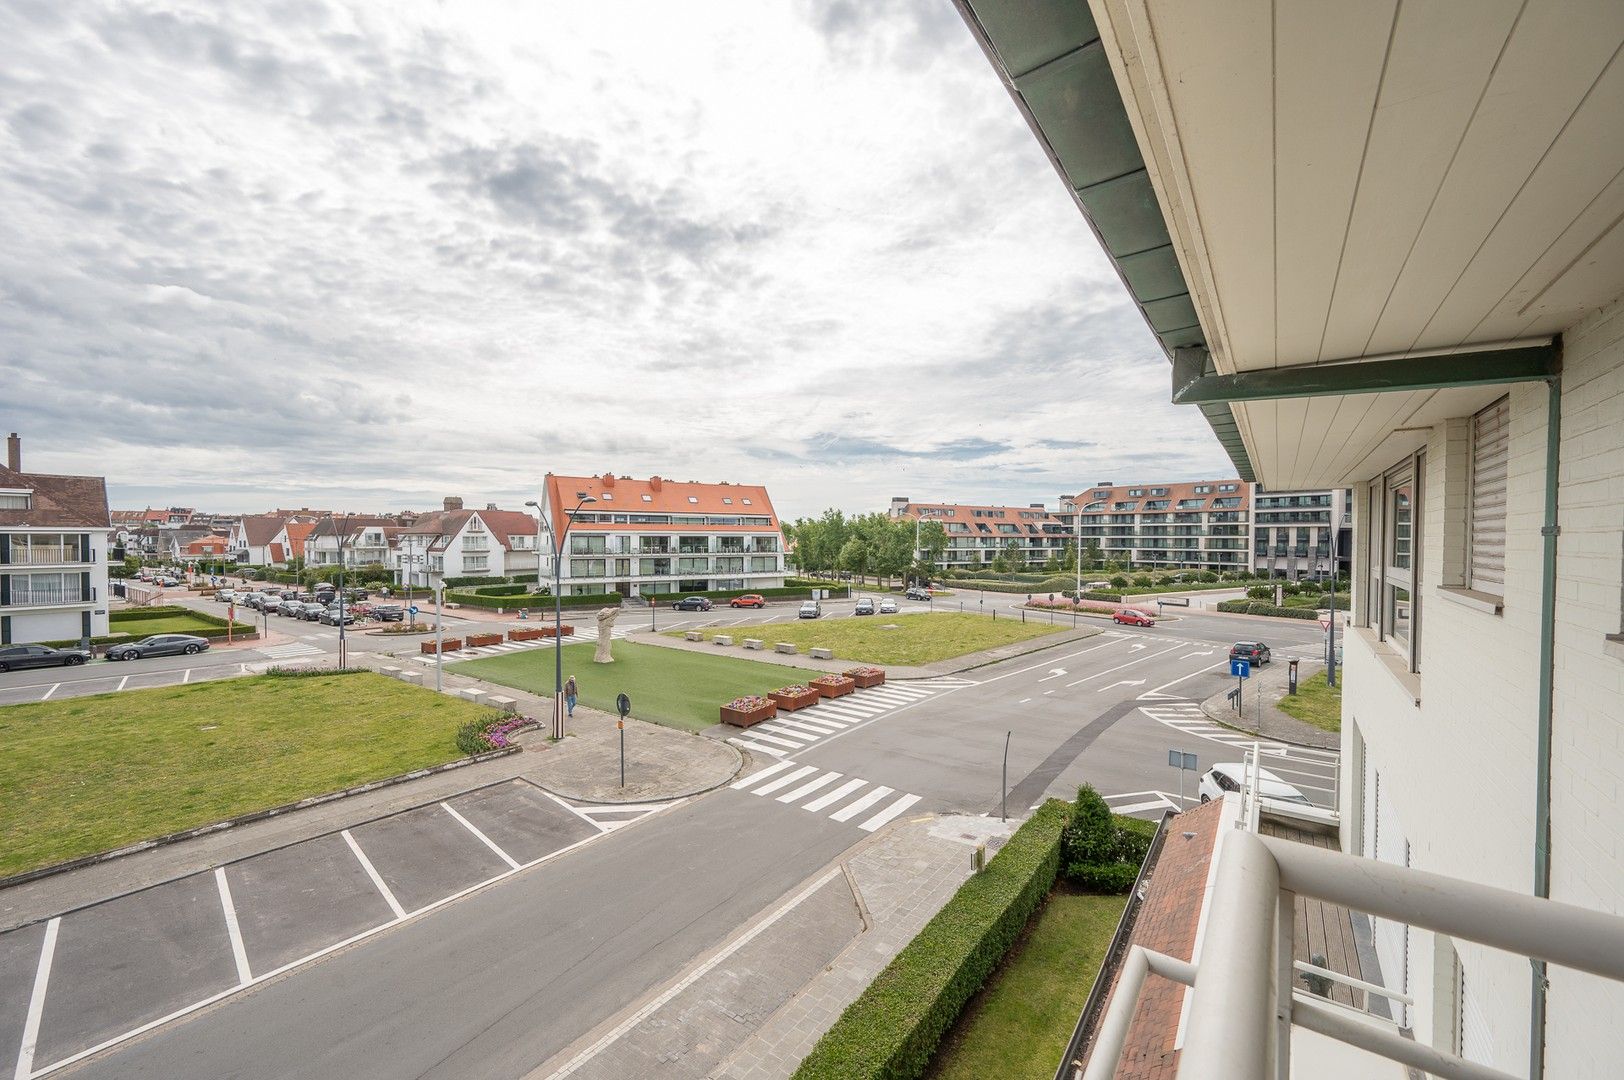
{"points": [[187, 677], [51, 691], [372, 872], [600, 826], [238, 952], [487, 841], [36, 1001]]}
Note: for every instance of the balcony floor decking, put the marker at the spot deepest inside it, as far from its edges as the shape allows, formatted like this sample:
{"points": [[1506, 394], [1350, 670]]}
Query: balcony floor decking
{"points": [[1326, 929]]}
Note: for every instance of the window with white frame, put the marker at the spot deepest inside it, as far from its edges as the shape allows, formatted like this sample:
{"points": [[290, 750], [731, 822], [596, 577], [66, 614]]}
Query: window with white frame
{"points": [[1395, 564], [1486, 534]]}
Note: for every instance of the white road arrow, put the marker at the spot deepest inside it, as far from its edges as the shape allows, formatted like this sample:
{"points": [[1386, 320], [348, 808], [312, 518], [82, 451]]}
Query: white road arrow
{"points": [[1054, 673], [1123, 682], [1137, 646]]}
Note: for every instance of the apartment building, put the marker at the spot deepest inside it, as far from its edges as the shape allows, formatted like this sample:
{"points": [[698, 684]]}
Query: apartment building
{"points": [[1202, 525], [976, 535], [456, 542], [1302, 534], [262, 539], [367, 540], [55, 532], [1381, 252], [637, 537]]}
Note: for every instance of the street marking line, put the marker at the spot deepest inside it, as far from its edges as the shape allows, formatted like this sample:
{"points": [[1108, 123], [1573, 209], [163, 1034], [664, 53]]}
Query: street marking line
{"points": [[372, 872], [888, 813], [187, 677], [786, 780], [1119, 667], [834, 796], [625, 808], [783, 736], [1134, 808], [849, 812], [822, 725], [799, 726], [761, 747], [762, 775], [1023, 701], [36, 1001], [51, 691], [600, 826], [483, 839], [620, 1029], [809, 787], [238, 952], [1045, 666]]}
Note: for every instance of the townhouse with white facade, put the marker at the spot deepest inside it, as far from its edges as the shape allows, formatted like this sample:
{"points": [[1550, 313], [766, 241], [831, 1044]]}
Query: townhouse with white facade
{"points": [[1381, 245], [55, 532], [456, 543], [263, 540], [641, 537], [976, 535]]}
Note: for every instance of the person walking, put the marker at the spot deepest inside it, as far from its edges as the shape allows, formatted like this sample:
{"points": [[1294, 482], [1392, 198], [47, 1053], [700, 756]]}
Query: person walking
{"points": [[570, 694]]}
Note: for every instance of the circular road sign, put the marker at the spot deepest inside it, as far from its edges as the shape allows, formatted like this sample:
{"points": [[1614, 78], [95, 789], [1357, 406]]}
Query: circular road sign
{"points": [[412, 610], [624, 704]]}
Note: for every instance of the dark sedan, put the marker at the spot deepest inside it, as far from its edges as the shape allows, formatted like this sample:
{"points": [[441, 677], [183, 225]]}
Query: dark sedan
{"points": [[158, 645], [692, 603], [17, 657]]}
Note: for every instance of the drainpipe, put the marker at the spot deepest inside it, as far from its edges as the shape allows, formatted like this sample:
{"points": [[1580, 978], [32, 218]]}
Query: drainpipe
{"points": [[1547, 676]]}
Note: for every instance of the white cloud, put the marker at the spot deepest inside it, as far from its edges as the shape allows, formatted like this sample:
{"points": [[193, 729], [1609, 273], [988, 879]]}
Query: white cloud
{"points": [[372, 255]]}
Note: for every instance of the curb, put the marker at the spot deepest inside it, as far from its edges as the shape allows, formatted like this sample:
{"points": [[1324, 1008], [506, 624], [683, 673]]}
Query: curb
{"points": [[737, 768], [248, 818], [1221, 722]]}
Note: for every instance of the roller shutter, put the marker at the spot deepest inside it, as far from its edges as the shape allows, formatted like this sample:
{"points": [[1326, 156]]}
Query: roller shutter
{"points": [[1491, 444]]}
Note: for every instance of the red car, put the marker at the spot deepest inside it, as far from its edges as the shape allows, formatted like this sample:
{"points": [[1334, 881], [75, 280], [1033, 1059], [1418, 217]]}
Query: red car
{"points": [[748, 600], [1132, 617]]}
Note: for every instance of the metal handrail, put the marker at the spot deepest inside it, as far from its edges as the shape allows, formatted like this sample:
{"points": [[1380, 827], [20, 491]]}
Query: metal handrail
{"points": [[1358, 984]]}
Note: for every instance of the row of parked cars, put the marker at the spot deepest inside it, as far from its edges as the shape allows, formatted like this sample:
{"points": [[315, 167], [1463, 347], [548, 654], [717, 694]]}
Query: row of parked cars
{"points": [[320, 606]]}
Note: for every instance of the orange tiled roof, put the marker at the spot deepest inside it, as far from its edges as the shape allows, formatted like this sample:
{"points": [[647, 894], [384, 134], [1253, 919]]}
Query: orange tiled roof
{"points": [[1175, 494], [621, 494]]}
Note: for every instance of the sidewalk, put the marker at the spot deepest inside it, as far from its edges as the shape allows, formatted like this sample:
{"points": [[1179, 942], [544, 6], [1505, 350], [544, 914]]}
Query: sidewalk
{"points": [[755, 1006], [1263, 717]]}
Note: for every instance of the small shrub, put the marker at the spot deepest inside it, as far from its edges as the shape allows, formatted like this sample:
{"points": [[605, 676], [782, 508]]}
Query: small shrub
{"points": [[308, 672], [1144, 581], [1261, 592], [1209, 576], [1099, 853], [1119, 582]]}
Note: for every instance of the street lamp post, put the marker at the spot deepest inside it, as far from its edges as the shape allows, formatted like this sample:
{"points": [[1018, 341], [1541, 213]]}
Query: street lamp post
{"points": [[558, 604], [342, 657]]}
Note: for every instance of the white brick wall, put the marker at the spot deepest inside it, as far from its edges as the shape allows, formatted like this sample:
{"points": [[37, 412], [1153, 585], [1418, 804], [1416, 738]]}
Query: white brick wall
{"points": [[1461, 765]]}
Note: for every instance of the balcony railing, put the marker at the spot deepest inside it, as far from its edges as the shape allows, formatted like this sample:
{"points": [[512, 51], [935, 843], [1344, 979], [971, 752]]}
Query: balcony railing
{"points": [[37, 554], [46, 597]]}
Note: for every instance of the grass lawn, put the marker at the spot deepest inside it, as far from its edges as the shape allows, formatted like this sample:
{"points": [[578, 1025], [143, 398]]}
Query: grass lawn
{"points": [[667, 686], [1018, 1026], [168, 623], [894, 639], [1316, 703], [87, 774]]}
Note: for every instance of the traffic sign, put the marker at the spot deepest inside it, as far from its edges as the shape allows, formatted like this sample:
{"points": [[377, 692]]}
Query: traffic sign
{"points": [[1180, 760], [412, 610], [1325, 624], [1241, 669], [624, 704]]}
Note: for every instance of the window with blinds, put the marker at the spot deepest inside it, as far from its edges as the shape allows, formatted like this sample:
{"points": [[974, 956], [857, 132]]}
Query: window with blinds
{"points": [[1486, 546]]}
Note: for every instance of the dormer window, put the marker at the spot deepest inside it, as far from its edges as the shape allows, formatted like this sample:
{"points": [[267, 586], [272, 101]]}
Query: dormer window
{"points": [[16, 500]]}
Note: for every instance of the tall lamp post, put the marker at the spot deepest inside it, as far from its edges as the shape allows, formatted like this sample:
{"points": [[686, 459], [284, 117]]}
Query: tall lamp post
{"points": [[342, 536], [558, 602]]}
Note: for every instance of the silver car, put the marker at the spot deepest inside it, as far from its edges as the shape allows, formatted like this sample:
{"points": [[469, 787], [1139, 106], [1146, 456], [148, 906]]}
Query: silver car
{"points": [[158, 645]]}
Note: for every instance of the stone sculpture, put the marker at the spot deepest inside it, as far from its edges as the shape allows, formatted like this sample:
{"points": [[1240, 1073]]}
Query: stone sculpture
{"points": [[606, 623]]}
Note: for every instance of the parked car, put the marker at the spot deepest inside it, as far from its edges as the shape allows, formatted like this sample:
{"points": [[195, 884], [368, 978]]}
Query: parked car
{"points": [[916, 593], [312, 611], [748, 600], [1089, 586], [888, 606], [810, 609], [225, 596], [1255, 651], [692, 603], [331, 617], [158, 645], [1231, 776], [389, 613], [865, 606], [17, 657], [1132, 617], [270, 604]]}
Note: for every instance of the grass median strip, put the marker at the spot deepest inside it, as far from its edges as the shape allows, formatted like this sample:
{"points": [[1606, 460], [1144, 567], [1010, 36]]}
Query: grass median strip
{"points": [[89, 774], [674, 687], [1315, 703], [893, 639]]}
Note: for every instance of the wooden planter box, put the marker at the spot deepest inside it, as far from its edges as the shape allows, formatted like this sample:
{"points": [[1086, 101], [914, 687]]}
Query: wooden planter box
{"points": [[791, 702], [833, 686], [451, 644], [530, 634], [746, 717], [476, 641], [547, 631], [866, 677]]}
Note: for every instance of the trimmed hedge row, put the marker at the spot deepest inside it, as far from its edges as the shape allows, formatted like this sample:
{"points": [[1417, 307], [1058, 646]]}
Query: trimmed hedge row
{"points": [[1042, 585], [129, 614], [1257, 607], [891, 1032]]}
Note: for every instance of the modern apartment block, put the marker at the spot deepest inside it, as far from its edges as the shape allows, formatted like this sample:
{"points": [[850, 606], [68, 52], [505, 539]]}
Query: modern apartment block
{"points": [[1379, 244], [55, 532], [1302, 534], [637, 537], [977, 534], [1202, 525]]}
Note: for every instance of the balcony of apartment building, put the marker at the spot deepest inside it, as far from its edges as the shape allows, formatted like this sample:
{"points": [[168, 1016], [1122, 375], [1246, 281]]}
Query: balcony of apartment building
{"points": [[44, 590], [46, 549]]}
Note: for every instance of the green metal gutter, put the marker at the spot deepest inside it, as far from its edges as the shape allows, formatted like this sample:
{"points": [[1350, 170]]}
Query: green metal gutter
{"points": [[1193, 383], [1547, 677], [1049, 56]]}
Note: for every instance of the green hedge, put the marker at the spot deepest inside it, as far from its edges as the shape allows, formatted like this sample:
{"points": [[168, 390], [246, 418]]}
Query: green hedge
{"points": [[503, 590], [1042, 585], [836, 592], [1257, 607], [128, 614], [891, 1032], [534, 601]]}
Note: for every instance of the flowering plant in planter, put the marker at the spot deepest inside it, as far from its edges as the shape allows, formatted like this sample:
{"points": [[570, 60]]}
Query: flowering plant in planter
{"points": [[865, 677], [748, 703], [793, 691], [494, 732], [832, 685]]}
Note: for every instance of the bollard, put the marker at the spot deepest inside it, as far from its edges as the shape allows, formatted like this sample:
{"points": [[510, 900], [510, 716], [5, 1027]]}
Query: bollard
{"points": [[978, 859]]}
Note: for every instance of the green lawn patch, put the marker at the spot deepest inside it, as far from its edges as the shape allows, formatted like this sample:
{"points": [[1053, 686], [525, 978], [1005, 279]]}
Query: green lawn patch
{"points": [[893, 639], [88, 774], [674, 687], [166, 623], [1020, 1024], [1315, 703]]}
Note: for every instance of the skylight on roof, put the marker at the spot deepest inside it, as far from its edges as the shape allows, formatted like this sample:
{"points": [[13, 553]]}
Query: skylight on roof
{"points": [[726, 500], [745, 501], [607, 496], [693, 498], [648, 498]]}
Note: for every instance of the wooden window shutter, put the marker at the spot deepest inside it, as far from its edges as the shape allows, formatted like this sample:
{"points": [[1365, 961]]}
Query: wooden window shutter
{"points": [[1491, 444]]}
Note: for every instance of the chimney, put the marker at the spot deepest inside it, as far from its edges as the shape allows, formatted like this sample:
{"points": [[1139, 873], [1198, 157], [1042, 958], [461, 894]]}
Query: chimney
{"points": [[14, 453], [452, 503], [490, 506], [608, 479], [654, 483]]}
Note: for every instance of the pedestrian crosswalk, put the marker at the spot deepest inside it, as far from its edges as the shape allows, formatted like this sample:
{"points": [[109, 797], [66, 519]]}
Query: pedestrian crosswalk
{"points": [[289, 650], [1311, 770], [817, 791], [792, 731], [1186, 716]]}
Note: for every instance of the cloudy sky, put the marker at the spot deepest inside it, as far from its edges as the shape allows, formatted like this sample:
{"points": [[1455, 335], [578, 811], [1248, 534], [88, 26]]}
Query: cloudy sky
{"points": [[305, 253]]}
